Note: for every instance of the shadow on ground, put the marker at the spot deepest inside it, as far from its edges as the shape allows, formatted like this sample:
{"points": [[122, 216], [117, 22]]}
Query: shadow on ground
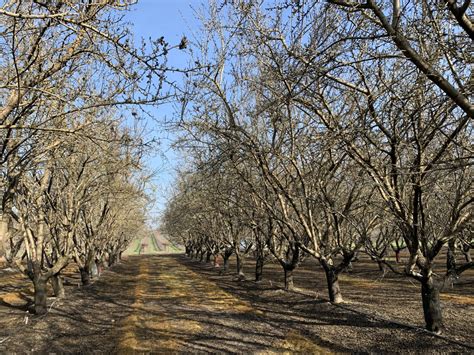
{"points": [[173, 304]]}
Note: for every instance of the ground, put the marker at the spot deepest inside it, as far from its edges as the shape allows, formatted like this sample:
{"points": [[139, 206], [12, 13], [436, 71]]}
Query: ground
{"points": [[174, 304]]}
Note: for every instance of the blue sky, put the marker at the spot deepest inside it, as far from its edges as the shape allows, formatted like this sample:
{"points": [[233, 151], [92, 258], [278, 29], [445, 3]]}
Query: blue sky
{"points": [[171, 19]]}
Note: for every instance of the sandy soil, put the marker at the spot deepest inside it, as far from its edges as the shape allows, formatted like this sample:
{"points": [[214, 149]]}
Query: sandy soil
{"points": [[174, 304]]}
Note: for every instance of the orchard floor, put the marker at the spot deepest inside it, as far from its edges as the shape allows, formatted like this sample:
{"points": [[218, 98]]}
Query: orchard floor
{"points": [[170, 303]]}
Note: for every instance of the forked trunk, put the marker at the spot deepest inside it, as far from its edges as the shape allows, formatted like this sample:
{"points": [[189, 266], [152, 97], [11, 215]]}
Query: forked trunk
{"points": [[289, 285], [85, 276], [58, 287], [431, 306], [332, 278], [40, 295]]}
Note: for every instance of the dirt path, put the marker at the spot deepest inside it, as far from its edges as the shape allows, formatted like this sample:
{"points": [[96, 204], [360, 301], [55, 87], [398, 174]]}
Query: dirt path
{"points": [[148, 304], [172, 304], [177, 309]]}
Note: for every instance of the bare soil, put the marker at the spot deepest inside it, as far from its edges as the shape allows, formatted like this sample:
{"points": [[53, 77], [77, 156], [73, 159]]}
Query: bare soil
{"points": [[174, 304]]}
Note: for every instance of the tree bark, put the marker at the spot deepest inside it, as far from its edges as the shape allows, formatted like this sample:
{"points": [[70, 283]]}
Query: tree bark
{"points": [[431, 306], [451, 260], [4, 232], [289, 285], [335, 295], [58, 287], [240, 266], [225, 266], [259, 268], [85, 276], [382, 266], [397, 256], [112, 259], [40, 283], [467, 255], [94, 269], [208, 257]]}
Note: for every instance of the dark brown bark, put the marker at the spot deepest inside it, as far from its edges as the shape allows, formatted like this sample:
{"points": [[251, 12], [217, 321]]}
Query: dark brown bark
{"points": [[58, 287], [382, 266], [259, 268], [40, 289], [85, 275], [113, 258], [208, 257], [332, 278], [225, 266], [431, 306]]}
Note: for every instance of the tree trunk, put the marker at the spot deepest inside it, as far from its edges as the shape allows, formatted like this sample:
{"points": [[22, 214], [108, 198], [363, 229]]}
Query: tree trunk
{"points": [[216, 260], [451, 260], [58, 286], [382, 266], [240, 266], [466, 250], [225, 266], [431, 306], [85, 276], [201, 258], [4, 233], [259, 268], [397, 256], [335, 295], [289, 285], [40, 295], [94, 269], [112, 259], [208, 257]]}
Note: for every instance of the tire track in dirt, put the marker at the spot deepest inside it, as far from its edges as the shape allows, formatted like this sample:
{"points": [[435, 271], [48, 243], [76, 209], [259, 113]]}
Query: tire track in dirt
{"points": [[179, 310]]}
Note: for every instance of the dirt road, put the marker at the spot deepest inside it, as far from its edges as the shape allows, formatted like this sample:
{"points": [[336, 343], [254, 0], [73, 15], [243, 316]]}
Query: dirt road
{"points": [[171, 304], [147, 304]]}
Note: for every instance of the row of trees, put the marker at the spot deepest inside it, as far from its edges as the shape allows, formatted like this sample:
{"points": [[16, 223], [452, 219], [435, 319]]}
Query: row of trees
{"points": [[322, 129], [71, 147]]}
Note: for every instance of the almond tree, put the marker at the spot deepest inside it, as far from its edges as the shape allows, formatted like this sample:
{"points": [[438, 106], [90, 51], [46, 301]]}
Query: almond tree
{"points": [[61, 61]]}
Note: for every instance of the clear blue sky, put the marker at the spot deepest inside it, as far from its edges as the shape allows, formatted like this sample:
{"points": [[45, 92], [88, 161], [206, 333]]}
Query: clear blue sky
{"points": [[171, 19]]}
